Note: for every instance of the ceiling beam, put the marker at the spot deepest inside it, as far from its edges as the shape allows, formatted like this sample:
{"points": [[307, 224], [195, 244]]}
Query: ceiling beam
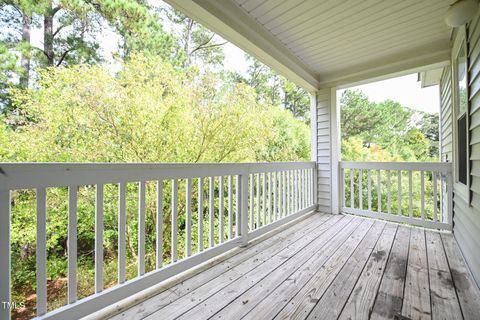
{"points": [[232, 23]]}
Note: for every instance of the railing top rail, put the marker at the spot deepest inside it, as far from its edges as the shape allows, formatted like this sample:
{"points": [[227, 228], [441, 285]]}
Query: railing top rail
{"points": [[34, 175], [444, 167]]}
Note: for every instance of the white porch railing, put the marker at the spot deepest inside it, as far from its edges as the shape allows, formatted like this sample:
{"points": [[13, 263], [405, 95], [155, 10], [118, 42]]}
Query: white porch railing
{"points": [[239, 202], [408, 192]]}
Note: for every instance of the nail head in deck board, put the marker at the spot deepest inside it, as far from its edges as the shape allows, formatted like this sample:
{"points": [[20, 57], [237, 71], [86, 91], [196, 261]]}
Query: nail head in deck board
{"points": [[442, 292], [363, 295], [256, 249], [305, 300], [292, 272], [467, 291], [197, 296], [270, 306], [416, 301], [390, 294], [219, 298], [333, 300]]}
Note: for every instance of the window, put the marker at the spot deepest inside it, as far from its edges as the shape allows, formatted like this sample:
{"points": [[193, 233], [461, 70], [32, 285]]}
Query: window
{"points": [[461, 115]]}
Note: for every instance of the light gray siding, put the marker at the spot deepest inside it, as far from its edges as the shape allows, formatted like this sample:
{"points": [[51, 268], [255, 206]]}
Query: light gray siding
{"points": [[446, 136], [467, 215], [324, 150]]}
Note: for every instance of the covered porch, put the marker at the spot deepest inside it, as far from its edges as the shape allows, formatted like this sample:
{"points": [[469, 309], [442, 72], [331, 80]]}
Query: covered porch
{"points": [[291, 240]]}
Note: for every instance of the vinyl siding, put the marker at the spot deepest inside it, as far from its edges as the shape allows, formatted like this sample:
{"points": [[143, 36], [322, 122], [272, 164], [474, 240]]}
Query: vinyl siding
{"points": [[467, 215], [324, 185]]}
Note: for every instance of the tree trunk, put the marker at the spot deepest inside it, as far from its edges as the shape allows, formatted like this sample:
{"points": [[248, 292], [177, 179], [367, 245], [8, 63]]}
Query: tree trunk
{"points": [[25, 59], [48, 34]]}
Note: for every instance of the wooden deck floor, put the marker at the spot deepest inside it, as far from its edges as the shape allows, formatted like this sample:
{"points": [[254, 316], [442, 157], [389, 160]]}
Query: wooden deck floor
{"points": [[328, 267]]}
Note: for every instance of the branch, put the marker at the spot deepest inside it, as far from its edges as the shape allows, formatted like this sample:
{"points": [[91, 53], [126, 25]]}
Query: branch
{"points": [[57, 31], [63, 57]]}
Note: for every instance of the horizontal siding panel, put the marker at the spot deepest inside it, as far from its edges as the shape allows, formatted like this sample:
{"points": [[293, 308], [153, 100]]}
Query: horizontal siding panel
{"points": [[323, 174], [323, 188], [475, 136], [323, 139], [323, 117], [323, 125], [324, 181], [470, 254], [325, 209], [475, 152], [475, 104], [324, 160], [323, 132], [323, 153], [474, 87]]}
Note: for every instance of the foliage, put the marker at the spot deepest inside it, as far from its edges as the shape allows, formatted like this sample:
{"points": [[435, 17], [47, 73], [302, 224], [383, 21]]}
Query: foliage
{"points": [[147, 112], [387, 126]]}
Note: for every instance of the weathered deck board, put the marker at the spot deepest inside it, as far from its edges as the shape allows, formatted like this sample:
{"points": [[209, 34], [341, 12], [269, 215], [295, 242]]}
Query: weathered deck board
{"points": [[331, 303], [416, 300], [287, 260], [295, 272], [363, 295], [242, 274], [442, 292], [327, 267], [260, 251], [390, 294], [466, 288]]}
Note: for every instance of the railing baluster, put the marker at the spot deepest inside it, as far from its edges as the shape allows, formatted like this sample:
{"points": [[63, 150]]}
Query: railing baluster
{"points": [[294, 193], [258, 200], [5, 261], [220, 209], [242, 185], [422, 194], [200, 215], [174, 220], [252, 204], [435, 210], [284, 192], [72, 244], [280, 195], [159, 225], [410, 194], [399, 185], [239, 206], [270, 197], [360, 187], [211, 210], [41, 252], [141, 227], [122, 221], [188, 217], [344, 186], [264, 187], [304, 188], [389, 192], [352, 192], [230, 208], [379, 191], [289, 200], [369, 187], [274, 180]]}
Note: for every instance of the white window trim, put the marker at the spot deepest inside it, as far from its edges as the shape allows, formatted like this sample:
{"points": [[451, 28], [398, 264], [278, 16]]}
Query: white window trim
{"points": [[463, 190]]}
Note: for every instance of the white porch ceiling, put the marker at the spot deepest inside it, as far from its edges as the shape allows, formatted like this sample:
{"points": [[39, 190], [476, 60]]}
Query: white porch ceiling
{"points": [[331, 41]]}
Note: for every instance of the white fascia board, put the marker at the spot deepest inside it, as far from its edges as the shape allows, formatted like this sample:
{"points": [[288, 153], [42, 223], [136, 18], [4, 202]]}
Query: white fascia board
{"points": [[417, 60], [232, 23]]}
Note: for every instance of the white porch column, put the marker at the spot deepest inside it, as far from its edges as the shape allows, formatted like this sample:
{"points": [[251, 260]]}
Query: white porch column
{"points": [[325, 148]]}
